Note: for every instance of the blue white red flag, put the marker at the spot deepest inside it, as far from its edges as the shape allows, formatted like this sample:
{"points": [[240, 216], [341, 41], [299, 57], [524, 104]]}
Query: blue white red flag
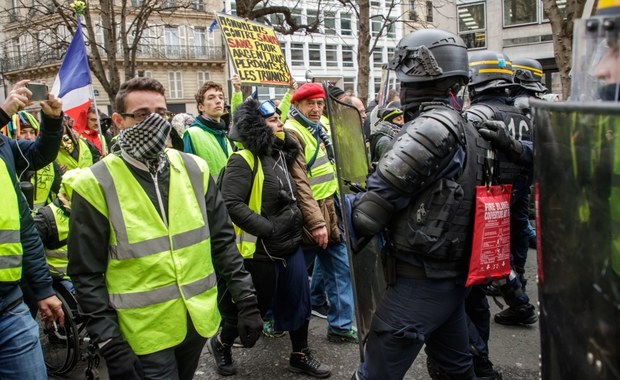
{"points": [[72, 83]]}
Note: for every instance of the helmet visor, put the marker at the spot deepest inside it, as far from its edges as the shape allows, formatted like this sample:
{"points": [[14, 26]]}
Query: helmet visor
{"points": [[596, 63]]}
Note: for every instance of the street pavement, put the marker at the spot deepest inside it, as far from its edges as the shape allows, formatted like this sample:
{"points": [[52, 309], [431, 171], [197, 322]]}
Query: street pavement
{"points": [[514, 350]]}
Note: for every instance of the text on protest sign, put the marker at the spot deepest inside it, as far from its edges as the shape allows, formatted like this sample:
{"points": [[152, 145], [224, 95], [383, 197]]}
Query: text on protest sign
{"points": [[255, 51]]}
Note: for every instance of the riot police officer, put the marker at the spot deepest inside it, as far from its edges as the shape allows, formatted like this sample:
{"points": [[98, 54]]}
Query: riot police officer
{"points": [[491, 80], [528, 74], [425, 262]]}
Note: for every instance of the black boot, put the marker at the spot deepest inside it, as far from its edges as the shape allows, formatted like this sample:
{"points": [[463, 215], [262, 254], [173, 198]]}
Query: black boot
{"points": [[484, 369], [304, 362], [222, 354], [517, 315]]}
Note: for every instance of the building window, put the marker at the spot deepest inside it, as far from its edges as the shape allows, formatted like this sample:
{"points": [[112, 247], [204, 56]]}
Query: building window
{"points": [[200, 41], [375, 26], [171, 40], [329, 24], [347, 56], [297, 54], [346, 28], [375, 3], [331, 55], [348, 84], [137, 3], [391, 28], [519, 12], [429, 11], [377, 57], [285, 52], [202, 77], [472, 25], [175, 85], [198, 5], [296, 15], [314, 54]]}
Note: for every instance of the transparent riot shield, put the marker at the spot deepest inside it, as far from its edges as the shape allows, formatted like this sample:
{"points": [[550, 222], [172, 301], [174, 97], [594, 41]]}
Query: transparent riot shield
{"points": [[577, 171], [352, 170]]}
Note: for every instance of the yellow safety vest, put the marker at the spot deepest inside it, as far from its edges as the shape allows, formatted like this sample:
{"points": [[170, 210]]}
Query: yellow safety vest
{"points": [[85, 157], [10, 241], [321, 175], [42, 182], [57, 259], [246, 242], [156, 273], [206, 146]]}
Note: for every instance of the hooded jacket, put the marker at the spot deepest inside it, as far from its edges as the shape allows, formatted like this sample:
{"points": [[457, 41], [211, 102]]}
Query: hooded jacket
{"points": [[279, 225]]}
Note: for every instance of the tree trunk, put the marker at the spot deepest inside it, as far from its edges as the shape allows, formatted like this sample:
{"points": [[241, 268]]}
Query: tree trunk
{"points": [[363, 53]]}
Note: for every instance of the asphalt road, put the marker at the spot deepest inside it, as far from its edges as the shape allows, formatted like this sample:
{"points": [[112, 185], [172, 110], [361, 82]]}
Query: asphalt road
{"points": [[514, 350]]}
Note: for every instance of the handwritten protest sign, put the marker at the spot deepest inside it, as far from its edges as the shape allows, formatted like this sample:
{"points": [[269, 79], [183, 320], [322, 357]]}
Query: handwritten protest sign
{"points": [[255, 51]]}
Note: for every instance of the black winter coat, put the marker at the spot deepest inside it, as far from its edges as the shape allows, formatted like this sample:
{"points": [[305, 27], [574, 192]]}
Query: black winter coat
{"points": [[279, 225]]}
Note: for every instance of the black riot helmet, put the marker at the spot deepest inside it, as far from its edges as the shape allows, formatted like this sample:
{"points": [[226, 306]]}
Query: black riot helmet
{"points": [[529, 74], [489, 70], [429, 54]]}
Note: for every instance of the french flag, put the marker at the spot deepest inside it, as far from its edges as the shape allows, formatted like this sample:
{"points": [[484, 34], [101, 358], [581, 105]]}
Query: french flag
{"points": [[72, 83]]}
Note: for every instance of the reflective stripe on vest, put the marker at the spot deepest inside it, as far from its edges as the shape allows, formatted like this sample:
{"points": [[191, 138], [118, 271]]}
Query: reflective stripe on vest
{"points": [[206, 147], [85, 157], [10, 239], [246, 242], [42, 181], [57, 259], [156, 273], [321, 175]]}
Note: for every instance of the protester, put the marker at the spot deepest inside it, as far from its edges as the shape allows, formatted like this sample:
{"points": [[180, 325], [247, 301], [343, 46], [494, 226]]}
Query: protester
{"points": [[75, 151], [261, 198], [383, 132], [149, 234], [316, 183], [92, 132], [206, 137], [45, 181], [180, 122], [22, 258]]}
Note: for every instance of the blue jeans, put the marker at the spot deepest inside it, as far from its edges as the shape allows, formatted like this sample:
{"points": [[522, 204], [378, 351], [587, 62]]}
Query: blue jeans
{"points": [[335, 277], [21, 356], [414, 312]]}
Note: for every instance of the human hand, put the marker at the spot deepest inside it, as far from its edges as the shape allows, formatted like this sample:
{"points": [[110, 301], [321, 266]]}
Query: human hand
{"points": [[18, 98], [236, 82], [52, 106], [51, 310], [249, 322], [320, 236], [497, 133]]}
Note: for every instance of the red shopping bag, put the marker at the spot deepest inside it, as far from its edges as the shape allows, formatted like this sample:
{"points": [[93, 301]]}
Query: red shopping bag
{"points": [[490, 253]]}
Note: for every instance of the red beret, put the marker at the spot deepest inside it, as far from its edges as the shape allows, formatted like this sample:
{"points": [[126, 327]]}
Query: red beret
{"points": [[308, 91]]}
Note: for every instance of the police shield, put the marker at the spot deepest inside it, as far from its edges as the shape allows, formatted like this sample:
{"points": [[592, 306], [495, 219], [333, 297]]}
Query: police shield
{"points": [[352, 169], [577, 168]]}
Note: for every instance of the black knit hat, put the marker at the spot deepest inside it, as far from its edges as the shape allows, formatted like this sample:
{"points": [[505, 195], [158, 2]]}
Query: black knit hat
{"points": [[390, 114], [335, 91]]}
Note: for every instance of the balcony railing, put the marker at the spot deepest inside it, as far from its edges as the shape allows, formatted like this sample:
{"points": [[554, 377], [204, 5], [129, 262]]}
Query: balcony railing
{"points": [[12, 62]]}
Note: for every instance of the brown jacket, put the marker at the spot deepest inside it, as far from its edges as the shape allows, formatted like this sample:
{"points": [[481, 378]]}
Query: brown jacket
{"points": [[316, 214]]}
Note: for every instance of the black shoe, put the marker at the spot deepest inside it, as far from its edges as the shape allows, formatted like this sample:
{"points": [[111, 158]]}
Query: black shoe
{"points": [[484, 369], [222, 355], [320, 311], [304, 362], [517, 315]]}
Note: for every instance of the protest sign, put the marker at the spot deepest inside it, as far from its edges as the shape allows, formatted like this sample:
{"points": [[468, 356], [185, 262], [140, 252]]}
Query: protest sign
{"points": [[255, 51]]}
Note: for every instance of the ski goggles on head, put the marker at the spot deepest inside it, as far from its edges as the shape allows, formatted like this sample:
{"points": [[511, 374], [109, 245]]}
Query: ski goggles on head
{"points": [[267, 109]]}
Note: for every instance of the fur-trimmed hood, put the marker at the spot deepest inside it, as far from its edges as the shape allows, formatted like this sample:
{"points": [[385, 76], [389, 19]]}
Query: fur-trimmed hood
{"points": [[256, 136]]}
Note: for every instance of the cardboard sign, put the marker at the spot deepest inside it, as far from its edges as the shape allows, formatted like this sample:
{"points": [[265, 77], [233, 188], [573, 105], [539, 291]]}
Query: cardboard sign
{"points": [[255, 51]]}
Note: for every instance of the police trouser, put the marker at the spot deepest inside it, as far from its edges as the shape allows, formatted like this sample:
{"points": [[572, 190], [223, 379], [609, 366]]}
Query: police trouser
{"points": [[479, 319], [414, 312]]}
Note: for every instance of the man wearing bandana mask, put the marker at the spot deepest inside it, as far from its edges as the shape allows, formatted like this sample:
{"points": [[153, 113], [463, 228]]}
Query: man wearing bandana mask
{"points": [[150, 231]]}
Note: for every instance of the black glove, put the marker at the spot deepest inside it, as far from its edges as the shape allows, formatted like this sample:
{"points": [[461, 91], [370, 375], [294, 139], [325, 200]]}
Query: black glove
{"points": [[497, 133], [122, 362], [249, 322]]}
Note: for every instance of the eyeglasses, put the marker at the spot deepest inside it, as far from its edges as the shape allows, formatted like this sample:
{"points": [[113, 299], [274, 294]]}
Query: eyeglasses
{"points": [[143, 114], [267, 109]]}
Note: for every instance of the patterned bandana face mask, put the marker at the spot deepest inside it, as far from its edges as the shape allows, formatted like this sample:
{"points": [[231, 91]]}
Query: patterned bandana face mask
{"points": [[146, 140]]}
